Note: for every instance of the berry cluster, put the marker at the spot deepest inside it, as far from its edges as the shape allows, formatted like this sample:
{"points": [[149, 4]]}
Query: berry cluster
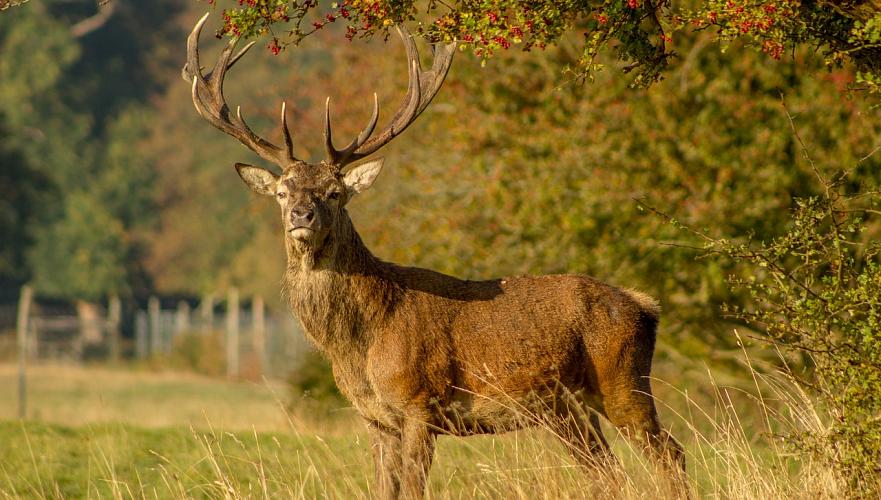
{"points": [[764, 24], [256, 17], [500, 25]]}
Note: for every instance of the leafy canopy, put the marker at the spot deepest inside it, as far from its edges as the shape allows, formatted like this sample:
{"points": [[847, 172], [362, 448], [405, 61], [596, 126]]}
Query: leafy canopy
{"points": [[639, 32]]}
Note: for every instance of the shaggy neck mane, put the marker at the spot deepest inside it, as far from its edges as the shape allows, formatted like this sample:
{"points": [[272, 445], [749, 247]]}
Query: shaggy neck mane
{"points": [[339, 290]]}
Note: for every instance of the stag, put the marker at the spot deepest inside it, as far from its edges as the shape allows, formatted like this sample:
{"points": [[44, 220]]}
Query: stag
{"points": [[419, 353]]}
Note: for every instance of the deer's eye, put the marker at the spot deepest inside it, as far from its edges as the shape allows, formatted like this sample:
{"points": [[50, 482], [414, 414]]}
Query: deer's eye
{"points": [[334, 195], [281, 195]]}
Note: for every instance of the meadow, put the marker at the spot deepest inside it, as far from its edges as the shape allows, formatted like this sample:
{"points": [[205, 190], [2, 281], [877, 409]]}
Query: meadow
{"points": [[98, 432]]}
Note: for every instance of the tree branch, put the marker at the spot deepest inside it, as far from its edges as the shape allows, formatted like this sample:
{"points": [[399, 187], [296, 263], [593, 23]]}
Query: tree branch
{"points": [[90, 24]]}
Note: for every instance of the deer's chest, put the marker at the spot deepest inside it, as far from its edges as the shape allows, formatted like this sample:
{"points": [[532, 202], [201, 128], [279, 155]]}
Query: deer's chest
{"points": [[354, 382], [385, 386]]}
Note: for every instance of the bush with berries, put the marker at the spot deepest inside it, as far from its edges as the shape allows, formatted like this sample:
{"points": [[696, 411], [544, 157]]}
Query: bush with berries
{"points": [[640, 33]]}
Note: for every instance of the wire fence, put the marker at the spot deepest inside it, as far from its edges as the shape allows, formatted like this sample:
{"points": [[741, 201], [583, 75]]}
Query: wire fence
{"points": [[228, 336], [240, 337]]}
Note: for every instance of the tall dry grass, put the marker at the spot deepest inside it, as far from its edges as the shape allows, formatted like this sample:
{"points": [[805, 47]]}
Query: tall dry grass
{"points": [[733, 445], [726, 459]]}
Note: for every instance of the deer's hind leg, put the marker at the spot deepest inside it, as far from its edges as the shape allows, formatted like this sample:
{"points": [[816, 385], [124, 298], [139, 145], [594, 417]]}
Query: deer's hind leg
{"points": [[631, 408], [580, 433]]}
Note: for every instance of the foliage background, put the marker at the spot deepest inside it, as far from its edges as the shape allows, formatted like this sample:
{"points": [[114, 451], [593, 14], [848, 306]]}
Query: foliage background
{"points": [[117, 186], [111, 184]]}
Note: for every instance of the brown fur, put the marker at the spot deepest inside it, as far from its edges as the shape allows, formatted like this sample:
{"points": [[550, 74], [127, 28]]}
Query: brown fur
{"points": [[420, 353]]}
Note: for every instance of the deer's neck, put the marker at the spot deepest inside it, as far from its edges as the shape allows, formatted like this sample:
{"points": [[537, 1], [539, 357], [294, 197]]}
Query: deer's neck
{"points": [[339, 293]]}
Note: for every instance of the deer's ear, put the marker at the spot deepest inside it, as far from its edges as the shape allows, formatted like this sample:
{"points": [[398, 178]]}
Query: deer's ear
{"points": [[260, 180], [361, 177]]}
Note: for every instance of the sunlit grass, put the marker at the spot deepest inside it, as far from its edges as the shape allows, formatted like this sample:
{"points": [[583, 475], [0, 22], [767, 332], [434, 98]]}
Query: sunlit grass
{"points": [[729, 436], [74, 395]]}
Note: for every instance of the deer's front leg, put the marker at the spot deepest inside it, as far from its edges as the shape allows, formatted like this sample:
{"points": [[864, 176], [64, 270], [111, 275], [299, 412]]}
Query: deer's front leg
{"points": [[418, 447], [386, 447]]}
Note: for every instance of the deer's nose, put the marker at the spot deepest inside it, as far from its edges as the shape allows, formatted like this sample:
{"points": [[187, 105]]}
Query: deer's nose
{"points": [[301, 217]]}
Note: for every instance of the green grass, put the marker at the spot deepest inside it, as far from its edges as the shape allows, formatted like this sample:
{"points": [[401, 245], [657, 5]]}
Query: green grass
{"points": [[75, 395], [123, 461], [114, 460], [102, 433]]}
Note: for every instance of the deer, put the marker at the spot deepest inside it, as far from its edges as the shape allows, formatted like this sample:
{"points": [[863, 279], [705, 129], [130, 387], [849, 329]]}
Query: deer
{"points": [[419, 353]]}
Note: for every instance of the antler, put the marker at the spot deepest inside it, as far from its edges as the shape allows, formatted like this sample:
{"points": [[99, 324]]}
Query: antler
{"points": [[211, 105], [422, 88]]}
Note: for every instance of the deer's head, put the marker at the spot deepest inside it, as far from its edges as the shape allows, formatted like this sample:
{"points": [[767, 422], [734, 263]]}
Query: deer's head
{"points": [[312, 197]]}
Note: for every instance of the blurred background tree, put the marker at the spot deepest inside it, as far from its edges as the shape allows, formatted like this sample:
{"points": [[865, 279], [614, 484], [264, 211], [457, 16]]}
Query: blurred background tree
{"points": [[73, 105]]}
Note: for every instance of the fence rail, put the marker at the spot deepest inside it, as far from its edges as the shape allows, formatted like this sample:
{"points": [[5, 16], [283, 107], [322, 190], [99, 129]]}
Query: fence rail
{"points": [[254, 342]]}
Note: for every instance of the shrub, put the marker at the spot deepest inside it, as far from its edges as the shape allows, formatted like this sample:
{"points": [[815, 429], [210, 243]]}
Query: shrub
{"points": [[200, 353], [816, 290], [311, 383]]}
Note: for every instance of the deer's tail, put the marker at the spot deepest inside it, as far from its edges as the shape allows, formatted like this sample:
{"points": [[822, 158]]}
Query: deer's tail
{"points": [[648, 303]]}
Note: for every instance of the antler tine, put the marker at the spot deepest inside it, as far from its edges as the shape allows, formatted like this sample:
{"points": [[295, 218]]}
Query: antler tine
{"points": [[408, 112], [332, 152], [207, 93], [238, 56], [434, 78], [289, 144], [188, 73], [224, 63], [421, 89], [219, 72], [337, 156], [368, 130]]}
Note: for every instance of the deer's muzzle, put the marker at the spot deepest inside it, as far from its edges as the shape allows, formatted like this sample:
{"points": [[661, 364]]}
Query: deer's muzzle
{"points": [[303, 234], [301, 218]]}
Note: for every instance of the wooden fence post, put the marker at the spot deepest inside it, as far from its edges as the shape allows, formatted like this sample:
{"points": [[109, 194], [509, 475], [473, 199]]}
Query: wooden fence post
{"points": [[142, 345], [155, 333], [232, 333], [207, 313], [258, 331], [24, 312], [114, 319], [182, 317]]}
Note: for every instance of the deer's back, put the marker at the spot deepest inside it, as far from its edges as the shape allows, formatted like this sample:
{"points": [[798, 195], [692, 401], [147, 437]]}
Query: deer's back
{"points": [[470, 346]]}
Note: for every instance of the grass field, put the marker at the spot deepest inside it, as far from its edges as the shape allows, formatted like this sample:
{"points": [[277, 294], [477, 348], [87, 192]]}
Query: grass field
{"points": [[101, 433], [74, 395]]}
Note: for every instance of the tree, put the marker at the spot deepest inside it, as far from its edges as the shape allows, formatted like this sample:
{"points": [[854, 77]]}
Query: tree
{"points": [[814, 290], [23, 193], [43, 138], [69, 122], [639, 32]]}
